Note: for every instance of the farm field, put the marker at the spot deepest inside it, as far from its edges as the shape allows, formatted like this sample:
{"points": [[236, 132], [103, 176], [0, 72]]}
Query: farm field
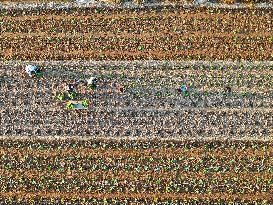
{"points": [[149, 105], [141, 1], [99, 171], [166, 123], [136, 34], [33, 1]]}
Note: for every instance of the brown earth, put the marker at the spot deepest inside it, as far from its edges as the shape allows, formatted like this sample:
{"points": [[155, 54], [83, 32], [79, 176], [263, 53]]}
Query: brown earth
{"points": [[252, 185], [162, 34], [213, 115], [142, 1]]}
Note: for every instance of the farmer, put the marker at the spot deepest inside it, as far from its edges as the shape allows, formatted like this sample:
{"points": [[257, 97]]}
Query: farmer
{"points": [[183, 89], [70, 87], [31, 70], [118, 87], [92, 81]]}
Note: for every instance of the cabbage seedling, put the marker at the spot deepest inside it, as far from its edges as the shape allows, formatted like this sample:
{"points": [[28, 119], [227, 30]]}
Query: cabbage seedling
{"points": [[72, 95], [61, 97], [70, 105], [92, 87], [85, 103]]}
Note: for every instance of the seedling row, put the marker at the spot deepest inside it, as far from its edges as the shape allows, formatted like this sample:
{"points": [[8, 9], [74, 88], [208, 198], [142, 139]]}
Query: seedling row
{"points": [[154, 170]]}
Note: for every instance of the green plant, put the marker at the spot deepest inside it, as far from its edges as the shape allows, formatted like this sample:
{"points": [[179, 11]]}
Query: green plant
{"points": [[98, 11], [102, 56], [85, 103], [72, 95], [141, 48], [39, 74], [158, 93], [244, 93], [186, 93], [61, 97], [70, 105], [92, 87]]}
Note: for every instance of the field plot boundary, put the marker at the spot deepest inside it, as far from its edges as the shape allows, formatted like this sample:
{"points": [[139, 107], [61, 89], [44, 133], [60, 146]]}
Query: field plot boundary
{"points": [[180, 139], [145, 63], [129, 5], [151, 109]]}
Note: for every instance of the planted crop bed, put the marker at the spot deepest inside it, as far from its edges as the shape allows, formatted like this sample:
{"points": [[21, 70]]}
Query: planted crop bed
{"points": [[101, 171], [121, 34], [149, 106], [211, 146], [143, 2]]}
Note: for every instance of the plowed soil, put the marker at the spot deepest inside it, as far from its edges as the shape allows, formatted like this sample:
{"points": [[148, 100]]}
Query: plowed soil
{"points": [[169, 34], [136, 170]]}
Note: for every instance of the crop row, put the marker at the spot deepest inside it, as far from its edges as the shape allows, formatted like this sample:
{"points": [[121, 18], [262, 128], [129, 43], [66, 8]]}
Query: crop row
{"points": [[156, 170], [106, 199], [123, 11], [142, 1], [150, 87], [109, 185], [146, 68], [143, 145], [151, 165], [133, 122], [102, 39], [131, 43], [145, 23], [256, 82], [130, 49], [148, 92]]}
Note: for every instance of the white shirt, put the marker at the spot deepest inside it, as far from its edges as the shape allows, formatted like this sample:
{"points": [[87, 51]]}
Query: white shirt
{"points": [[91, 80], [30, 68]]}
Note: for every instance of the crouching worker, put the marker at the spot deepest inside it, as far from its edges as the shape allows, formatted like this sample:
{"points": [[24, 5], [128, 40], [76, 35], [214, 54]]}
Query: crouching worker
{"points": [[92, 83], [32, 70], [70, 89], [118, 87], [183, 89]]}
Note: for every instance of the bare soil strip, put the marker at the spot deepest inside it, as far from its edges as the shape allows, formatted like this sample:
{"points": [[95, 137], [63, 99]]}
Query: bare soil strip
{"points": [[182, 196], [125, 35], [131, 175], [87, 138], [124, 153]]}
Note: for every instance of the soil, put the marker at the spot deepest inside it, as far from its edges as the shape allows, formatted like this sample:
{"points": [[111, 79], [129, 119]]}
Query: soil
{"points": [[117, 114], [129, 35], [245, 173]]}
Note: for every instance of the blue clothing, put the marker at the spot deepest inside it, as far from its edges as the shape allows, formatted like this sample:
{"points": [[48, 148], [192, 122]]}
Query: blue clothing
{"points": [[184, 88]]}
